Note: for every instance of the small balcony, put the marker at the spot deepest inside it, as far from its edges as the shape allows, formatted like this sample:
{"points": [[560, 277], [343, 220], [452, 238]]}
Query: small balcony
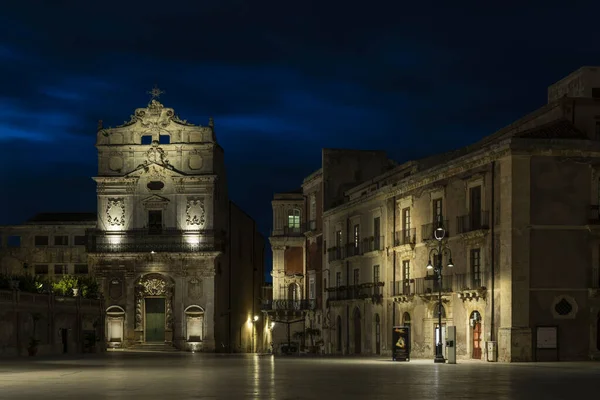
{"points": [[353, 249], [335, 254], [428, 229], [473, 222], [594, 218], [405, 236], [147, 241], [372, 243], [363, 291], [297, 230], [288, 305]]}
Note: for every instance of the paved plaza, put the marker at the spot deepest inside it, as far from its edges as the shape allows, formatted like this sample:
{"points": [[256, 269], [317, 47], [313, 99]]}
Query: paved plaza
{"points": [[181, 376]]}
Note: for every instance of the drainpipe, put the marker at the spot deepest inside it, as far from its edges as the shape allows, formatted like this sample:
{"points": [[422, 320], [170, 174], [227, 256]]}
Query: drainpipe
{"points": [[493, 251], [394, 264]]}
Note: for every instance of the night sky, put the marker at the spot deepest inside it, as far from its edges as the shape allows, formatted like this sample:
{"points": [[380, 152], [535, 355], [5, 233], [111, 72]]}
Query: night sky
{"points": [[281, 78]]}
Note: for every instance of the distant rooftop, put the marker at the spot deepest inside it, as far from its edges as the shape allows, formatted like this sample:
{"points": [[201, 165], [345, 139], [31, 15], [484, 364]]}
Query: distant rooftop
{"points": [[52, 218]]}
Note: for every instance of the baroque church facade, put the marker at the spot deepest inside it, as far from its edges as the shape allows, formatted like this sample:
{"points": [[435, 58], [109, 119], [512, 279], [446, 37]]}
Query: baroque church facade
{"points": [[179, 264]]}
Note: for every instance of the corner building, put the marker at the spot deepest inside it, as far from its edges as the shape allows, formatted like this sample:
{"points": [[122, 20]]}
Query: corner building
{"points": [[520, 208], [179, 264]]}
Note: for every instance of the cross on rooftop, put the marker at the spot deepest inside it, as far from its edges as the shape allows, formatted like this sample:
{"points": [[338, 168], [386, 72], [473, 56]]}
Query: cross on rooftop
{"points": [[155, 93]]}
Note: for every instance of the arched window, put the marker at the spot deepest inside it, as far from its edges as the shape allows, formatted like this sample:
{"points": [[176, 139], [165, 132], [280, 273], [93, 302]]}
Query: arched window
{"points": [[406, 319], [294, 218]]}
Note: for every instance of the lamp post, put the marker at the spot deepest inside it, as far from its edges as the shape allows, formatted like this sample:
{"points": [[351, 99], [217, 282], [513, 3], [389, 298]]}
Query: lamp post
{"points": [[439, 234]]}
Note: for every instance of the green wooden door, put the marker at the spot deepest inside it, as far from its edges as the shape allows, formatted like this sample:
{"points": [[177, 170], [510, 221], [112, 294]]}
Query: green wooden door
{"points": [[155, 320]]}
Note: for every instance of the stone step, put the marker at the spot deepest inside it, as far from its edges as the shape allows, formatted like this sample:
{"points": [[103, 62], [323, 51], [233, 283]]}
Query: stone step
{"points": [[152, 347]]}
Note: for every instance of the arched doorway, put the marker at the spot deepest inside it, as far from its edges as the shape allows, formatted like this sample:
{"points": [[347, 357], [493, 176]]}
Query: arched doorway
{"points": [[357, 336], [339, 333], [475, 322], [377, 335]]}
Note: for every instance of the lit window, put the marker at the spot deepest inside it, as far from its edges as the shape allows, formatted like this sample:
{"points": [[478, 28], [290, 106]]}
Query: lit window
{"points": [[294, 218]]}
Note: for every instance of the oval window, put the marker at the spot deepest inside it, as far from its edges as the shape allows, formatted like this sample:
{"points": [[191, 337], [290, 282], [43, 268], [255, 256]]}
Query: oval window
{"points": [[155, 185]]}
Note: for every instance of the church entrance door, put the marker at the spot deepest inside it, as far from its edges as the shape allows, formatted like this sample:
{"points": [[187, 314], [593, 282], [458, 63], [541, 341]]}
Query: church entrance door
{"points": [[155, 319]]}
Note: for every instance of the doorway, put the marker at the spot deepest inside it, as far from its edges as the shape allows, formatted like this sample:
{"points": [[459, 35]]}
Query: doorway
{"points": [[475, 322], [155, 319], [64, 335], [377, 335], [339, 333], [357, 336]]}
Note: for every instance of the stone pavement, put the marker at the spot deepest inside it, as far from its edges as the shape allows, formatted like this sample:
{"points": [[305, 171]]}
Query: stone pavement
{"points": [[181, 376]]}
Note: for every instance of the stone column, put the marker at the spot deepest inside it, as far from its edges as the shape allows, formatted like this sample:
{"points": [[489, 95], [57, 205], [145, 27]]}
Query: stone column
{"points": [[514, 335]]}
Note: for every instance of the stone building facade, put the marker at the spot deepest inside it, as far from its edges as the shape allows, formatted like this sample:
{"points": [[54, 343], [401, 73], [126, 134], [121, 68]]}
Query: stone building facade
{"points": [[299, 247], [520, 208], [167, 245]]}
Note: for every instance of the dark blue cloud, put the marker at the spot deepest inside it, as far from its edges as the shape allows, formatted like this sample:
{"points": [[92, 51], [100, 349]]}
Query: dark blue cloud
{"points": [[282, 80]]}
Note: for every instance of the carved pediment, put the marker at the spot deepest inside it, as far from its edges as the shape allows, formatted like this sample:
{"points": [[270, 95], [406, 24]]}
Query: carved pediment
{"points": [[155, 202], [155, 170]]}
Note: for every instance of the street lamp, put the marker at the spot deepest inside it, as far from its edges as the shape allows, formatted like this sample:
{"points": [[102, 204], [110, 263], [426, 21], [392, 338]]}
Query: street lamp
{"points": [[439, 234]]}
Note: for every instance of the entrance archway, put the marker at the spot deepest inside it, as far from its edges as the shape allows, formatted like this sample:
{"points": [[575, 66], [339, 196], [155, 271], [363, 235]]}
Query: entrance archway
{"points": [[475, 322], [377, 335], [357, 336], [154, 308]]}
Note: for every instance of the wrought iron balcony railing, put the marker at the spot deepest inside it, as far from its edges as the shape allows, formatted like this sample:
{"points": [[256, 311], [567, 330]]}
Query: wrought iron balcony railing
{"points": [[335, 254], [288, 305], [353, 249], [143, 240], [450, 283], [355, 292], [405, 236], [373, 243], [296, 230], [473, 222], [428, 229]]}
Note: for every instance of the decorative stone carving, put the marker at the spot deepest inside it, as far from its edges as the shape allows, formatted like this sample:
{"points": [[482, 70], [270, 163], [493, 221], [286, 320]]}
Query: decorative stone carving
{"points": [[154, 287], [139, 298], [169, 314], [115, 212], [157, 155], [115, 290], [115, 161], [195, 212], [195, 288], [195, 161]]}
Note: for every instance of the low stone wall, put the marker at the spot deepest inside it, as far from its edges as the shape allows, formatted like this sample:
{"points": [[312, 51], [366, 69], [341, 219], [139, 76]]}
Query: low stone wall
{"points": [[62, 325]]}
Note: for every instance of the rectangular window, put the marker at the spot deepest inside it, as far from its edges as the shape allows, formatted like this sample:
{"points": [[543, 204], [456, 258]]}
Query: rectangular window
{"points": [[147, 139], [406, 276], [377, 233], [313, 207], [406, 219], [338, 239], [311, 289], [41, 240], [61, 240], [164, 139], [376, 274], [356, 236], [81, 269], [155, 221], [294, 219], [13, 241], [437, 210], [356, 277], [476, 268], [79, 240], [60, 269], [41, 269], [475, 207], [338, 279]]}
